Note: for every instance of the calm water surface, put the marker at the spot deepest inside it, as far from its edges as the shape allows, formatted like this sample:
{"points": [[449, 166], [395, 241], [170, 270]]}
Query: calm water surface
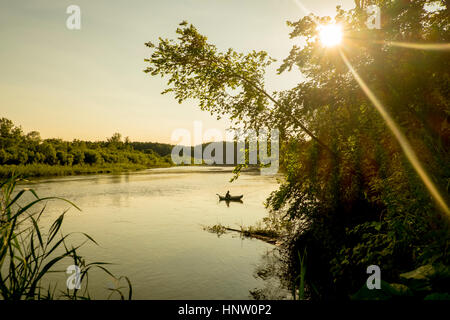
{"points": [[149, 224]]}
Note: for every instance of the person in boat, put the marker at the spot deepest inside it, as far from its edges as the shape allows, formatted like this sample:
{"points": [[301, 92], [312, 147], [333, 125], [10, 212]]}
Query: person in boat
{"points": [[228, 195]]}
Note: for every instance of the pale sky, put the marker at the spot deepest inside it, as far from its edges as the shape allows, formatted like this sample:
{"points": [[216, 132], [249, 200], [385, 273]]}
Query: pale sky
{"points": [[87, 84]]}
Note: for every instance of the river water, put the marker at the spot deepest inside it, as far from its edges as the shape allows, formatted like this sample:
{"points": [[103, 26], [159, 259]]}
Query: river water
{"points": [[149, 224]]}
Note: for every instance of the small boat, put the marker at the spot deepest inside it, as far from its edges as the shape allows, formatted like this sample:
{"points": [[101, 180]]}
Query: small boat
{"points": [[231, 198]]}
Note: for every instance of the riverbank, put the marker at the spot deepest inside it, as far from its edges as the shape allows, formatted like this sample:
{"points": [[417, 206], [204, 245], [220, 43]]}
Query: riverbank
{"points": [[45, 170]]}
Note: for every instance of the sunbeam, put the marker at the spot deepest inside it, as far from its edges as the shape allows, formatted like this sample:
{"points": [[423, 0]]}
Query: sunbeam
{"points": [[404, 144], [306, 11], [418, 46]]}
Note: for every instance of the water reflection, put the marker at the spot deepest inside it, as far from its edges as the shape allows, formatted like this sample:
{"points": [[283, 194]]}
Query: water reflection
{"points": [[149, 224], [231, 201], [269, 269]]}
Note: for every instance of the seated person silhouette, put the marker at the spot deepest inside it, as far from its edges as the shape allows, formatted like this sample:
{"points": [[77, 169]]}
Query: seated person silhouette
{"points": [[228, 196]]}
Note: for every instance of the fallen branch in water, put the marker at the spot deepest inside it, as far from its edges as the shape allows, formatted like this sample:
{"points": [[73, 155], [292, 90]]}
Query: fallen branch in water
{"points": [[265, 235]]}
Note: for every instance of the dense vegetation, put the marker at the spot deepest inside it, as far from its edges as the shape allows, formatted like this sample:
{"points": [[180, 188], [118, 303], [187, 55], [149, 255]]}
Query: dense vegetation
{"points": [[28, 154], [162, 149], [350, 198]]}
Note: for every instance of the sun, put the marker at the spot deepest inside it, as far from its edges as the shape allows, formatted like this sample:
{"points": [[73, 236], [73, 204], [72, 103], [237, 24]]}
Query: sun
{"points": [[330, 35]]}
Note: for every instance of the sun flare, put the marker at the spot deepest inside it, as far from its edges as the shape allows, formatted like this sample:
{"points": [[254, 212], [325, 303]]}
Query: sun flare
{"points": [[330, 35]]}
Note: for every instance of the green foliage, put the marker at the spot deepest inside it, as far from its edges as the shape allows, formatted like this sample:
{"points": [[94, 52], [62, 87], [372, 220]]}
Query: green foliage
{"points": [[388, 291], [28, 254], [161, 149], [354, 200], [198, 70], [428, 282], [29, 155], [299, 284]]}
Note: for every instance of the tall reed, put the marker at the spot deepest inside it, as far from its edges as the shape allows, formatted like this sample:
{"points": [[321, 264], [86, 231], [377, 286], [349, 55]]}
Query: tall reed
{"points": [[28, 254], [300, 278]]}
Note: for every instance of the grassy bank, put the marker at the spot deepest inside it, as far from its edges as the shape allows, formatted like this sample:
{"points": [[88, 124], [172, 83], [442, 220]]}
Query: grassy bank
{"points": [[46, 170]]}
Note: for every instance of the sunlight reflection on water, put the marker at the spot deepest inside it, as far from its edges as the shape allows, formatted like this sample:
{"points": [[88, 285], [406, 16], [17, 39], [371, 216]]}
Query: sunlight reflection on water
{"points": [[149, 224]]}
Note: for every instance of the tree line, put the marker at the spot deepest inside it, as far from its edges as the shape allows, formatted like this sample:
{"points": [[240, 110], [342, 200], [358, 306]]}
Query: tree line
{"points": [[19, 148]]}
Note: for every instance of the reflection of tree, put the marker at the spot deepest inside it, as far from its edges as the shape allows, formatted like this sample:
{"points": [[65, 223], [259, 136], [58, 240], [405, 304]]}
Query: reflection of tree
{"points": [[270, 271]]}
